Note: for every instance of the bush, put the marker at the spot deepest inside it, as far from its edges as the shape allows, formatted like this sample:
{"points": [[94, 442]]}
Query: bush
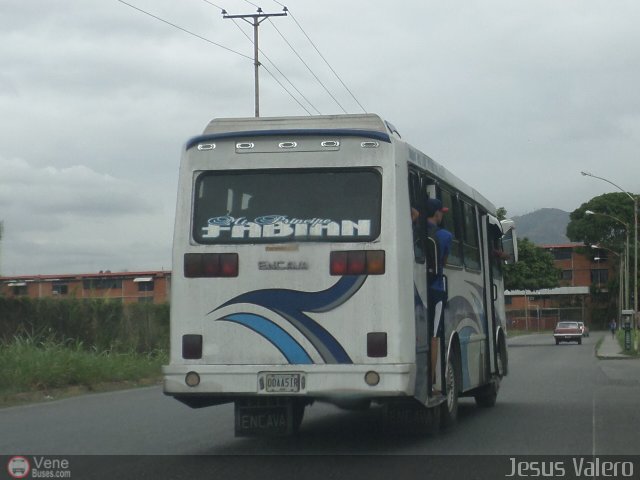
{"points": [[31, 363], [101, 324]]}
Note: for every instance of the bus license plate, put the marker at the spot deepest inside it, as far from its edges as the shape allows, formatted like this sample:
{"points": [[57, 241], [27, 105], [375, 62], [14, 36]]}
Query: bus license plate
{"points": [[280, 382]]}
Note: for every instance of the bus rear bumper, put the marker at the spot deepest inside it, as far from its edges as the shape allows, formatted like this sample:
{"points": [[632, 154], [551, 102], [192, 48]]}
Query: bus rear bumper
{"points": [[318, 381]]}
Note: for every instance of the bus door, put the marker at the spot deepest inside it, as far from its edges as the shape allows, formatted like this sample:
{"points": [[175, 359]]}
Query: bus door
{"points": [[491, 234], [416, 191]]}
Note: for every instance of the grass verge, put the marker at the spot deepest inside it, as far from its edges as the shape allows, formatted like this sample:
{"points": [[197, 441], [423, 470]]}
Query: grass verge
{"points": [[620, 337], [35, 369]]}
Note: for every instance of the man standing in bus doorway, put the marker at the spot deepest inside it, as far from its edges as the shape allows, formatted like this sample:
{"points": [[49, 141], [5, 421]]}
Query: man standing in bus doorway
{"points": [[437, 288]]}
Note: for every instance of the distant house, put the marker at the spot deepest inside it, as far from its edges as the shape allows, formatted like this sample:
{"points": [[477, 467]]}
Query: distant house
{"points": [[583, 289], [149, 286]]}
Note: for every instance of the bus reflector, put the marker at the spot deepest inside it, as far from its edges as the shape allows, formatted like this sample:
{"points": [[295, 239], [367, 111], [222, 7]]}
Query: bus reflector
{"points": [[192, 379], [357, 262], [372, 378], [203, 265], [191, 347]]}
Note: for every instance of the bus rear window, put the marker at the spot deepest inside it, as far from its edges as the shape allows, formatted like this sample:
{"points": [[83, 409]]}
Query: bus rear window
{"points": [[276, 206]]}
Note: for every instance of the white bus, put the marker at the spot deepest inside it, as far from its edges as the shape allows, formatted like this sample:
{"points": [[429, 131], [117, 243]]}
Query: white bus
{"points": [[298, 275]]}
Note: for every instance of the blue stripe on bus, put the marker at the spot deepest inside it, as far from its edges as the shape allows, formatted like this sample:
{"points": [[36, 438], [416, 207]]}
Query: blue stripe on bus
{"points": [[345, 132], [290, 304], [292, 350]]}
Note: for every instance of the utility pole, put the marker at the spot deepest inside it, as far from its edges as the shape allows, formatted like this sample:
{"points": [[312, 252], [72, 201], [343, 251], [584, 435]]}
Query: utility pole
{"points": [[255, 19], [634, 199], [1, 233]]}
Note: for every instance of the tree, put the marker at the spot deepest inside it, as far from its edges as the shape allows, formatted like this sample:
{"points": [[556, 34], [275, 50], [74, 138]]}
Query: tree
{"points": [[602, 229], [1, 232], [605, 231], [501, 213], [534, 270]]}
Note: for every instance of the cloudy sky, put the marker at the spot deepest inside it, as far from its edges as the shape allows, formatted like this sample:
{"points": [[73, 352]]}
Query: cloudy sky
{"points": [[97, 99]]}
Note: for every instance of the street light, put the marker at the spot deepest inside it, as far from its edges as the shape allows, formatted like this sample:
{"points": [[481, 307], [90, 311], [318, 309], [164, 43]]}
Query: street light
{"points": [[597, 271], [621, 298], [634, 198], [626, 258]]}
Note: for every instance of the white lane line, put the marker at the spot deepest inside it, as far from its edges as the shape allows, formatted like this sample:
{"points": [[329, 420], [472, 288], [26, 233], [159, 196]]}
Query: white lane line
{"points": [[593, 427]]}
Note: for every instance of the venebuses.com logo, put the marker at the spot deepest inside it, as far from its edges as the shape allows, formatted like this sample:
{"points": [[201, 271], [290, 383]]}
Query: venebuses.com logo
{"points": [[18, 467], [38, 467]]}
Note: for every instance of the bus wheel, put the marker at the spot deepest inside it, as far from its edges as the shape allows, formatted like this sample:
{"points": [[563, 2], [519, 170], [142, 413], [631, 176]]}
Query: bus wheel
{"points": [[449, 409]]}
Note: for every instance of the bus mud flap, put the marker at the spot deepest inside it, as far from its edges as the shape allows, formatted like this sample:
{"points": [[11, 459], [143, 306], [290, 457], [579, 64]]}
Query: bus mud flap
{"points": [[271, 416]]}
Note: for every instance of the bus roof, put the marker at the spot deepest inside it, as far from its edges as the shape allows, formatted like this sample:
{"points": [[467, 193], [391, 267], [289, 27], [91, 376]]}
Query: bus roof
{"points": [[361, 125], [367, 122], [368, 126]]}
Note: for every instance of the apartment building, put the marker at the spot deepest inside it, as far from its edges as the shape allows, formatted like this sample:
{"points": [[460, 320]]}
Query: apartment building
{"points": [[148, 286], [584, 277]]}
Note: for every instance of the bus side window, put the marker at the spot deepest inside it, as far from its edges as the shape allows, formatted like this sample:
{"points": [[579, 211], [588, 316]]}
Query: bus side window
{"points": [[416, 221], [470, 239], [451, 222], [496, 255], [414, 188]]}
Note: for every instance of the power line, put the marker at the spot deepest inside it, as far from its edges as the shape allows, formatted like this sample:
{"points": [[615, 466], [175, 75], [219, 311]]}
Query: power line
{"points": [[223, 47], [323, 58], [286, 90], [251, 3], [273, 64], [308, 68], [185, 30], [217, 6], [280, 72]]}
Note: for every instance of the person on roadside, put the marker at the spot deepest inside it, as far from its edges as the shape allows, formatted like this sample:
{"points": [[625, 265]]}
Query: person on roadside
{"points": [[613, 326]]}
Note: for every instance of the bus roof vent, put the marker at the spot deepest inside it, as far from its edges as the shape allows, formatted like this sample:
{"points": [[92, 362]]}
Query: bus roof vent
{"points": [[245, 145], [206, 146], [369, 144], [288, 144]]}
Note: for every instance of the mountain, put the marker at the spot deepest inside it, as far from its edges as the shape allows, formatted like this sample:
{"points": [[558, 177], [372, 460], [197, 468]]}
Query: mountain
{"points": [[543, 227]]}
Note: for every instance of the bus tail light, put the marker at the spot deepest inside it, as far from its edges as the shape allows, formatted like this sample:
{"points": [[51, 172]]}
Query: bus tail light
{"points": [[209, 265], [228, 264], [338, 263], [375, 262], [357, 262]]}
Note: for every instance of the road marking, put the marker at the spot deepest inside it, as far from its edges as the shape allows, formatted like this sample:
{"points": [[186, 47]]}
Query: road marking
{"points": [[593, 427]]}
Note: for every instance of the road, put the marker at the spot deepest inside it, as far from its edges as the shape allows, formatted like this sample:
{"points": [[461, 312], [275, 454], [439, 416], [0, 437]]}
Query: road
{"points": [[557, 400]]}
